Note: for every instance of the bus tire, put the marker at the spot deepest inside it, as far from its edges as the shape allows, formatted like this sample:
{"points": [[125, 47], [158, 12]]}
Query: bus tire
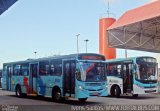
{"points": [[112, 92], [18, 91], [135, 95], [56, 95], [82, 99], [117, 91]]}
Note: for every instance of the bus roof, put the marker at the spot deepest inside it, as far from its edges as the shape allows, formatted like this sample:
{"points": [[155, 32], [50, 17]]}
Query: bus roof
{"points": [[57, 57], [127, 59]]}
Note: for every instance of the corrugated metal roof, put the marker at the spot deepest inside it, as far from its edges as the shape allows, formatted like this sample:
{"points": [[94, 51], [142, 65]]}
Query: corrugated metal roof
{"points": [[137, 29], [145, 12]]}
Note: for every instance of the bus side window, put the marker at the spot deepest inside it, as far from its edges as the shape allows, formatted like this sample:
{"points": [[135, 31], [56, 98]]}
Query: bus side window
{"points": [[56, 68], [119, 70], [25, 69], [114, 70], [53, 69], [109, 70], [59, 69], [4, 71], [8, 70], [17, 70], [44, 68]]}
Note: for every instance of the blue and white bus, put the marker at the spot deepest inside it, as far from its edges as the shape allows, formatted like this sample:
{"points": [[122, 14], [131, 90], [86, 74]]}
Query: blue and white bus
{"points": [[136, 75], [78, 76]]}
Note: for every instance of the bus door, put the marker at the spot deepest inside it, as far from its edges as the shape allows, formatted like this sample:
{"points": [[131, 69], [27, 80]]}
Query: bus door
{"points": [[8, 79], [33, 77], [69, 67], [127, 77]]}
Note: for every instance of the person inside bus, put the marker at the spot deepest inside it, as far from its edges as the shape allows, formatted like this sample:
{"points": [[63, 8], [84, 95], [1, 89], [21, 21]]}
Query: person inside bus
{"points": [[90, 71], [100, 73], [143, 73], [151, 77], [150, 74]]}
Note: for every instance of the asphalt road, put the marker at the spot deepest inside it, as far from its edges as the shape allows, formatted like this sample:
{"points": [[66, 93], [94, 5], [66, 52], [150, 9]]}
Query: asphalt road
{"points": [[45, 104]]}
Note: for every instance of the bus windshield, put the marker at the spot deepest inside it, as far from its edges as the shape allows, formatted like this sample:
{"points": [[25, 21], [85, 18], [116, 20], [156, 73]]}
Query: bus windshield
{"points": [[92, 71], [147, 69]]}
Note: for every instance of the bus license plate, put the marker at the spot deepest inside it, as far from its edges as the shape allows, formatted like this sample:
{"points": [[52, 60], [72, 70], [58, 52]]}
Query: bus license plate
{"points": [[151, 90], [95, 94]]}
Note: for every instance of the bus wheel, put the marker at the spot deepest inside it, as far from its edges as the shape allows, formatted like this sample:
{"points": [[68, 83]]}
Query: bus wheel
{"points": [[117, 91], [56, 95], [112, 92], [135, 95], [18, 92], [82, 99]]}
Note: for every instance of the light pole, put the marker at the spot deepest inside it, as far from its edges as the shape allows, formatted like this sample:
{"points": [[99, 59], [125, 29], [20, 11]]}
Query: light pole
{"points": [[77, 43], [35, 53], [108, 11], [86, 44]]}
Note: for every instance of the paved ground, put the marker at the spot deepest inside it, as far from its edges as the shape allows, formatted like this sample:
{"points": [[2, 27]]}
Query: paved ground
{"points": [[38, 103]]}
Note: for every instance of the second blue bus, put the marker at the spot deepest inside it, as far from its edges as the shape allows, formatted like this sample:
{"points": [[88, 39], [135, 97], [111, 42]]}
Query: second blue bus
{"points": [[132, 76]]}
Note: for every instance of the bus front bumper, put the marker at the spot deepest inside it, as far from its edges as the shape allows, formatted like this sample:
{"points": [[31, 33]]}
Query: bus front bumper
{"points": [[142, 90], [82, 93]]}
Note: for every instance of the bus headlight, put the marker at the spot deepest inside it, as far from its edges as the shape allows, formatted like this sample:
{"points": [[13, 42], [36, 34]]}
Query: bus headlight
{"points": [[81, 87], [140, 86], [105, 87]]}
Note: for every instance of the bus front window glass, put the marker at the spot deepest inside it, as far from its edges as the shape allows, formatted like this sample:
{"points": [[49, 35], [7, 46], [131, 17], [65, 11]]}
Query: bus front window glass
{"points": [[78, 74], [83, 68], [92, 71], [142, 71], [151, 72], [147, 71]]}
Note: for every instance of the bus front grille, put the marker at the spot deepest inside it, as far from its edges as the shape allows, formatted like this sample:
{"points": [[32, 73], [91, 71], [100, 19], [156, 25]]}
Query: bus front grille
{"points": [[150, 91], [95, 84], [150, 87], [95, 89]]}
